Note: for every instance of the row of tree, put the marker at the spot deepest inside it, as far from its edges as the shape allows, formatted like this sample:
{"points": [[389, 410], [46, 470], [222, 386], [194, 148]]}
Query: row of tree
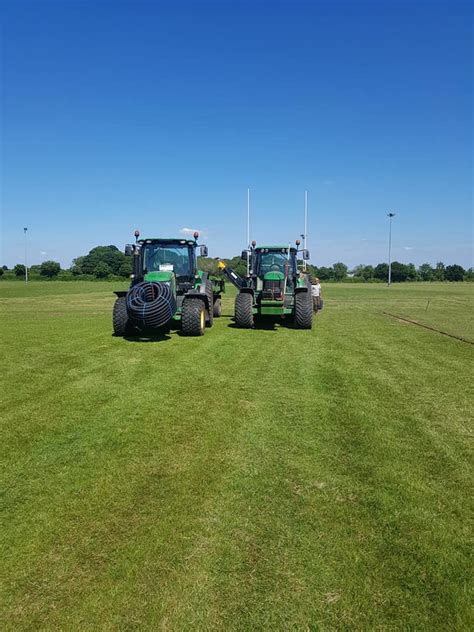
{"points": [[400, 272], [105, 262], [102, 262], [340, 272]]}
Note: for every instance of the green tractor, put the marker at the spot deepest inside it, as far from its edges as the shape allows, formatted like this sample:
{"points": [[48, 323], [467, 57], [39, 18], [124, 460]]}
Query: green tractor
{"points": [[274, 286], [167, 288]]}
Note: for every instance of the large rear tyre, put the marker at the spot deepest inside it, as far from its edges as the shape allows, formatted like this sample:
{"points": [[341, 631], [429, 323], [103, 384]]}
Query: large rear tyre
{"points": [[210, 311], [193, 317], [303, 310], [243, 310], [217, 310], [120, 321]]}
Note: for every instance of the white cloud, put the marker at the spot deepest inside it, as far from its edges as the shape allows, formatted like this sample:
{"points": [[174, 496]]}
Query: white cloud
{"points": [[43, 252], [189, 232], [407, 248]]}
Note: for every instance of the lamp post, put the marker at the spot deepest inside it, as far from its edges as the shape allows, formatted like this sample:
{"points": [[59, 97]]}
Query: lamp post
{"points": [[25, 230], [248, 231], [390, 215], [305, 225]]}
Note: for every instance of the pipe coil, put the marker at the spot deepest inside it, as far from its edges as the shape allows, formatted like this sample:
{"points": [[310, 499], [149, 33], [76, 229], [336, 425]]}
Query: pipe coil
{"points": [[150, 304]]}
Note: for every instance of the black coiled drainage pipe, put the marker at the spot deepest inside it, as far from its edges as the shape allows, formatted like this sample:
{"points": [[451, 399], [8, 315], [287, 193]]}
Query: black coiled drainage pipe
{"points": [[150, 304]]}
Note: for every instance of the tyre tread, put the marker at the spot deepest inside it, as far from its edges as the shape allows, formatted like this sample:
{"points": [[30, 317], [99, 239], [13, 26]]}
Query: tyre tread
{"points": [[243, 310], [303, 310], [191, 317]]}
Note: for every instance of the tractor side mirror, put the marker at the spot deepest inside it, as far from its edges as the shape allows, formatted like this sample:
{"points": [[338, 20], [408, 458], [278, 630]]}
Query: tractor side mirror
{"points": [[129, 250], [305, 254], [203, 251], [244, 255]]}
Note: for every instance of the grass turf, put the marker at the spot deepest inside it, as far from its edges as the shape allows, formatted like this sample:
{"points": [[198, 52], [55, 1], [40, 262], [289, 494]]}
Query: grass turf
{"points": [[272, 478]]}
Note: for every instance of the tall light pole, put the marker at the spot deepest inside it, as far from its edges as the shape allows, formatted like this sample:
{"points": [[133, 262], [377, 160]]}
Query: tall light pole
{"points": [[25, 230], [305, 225], [390, 215], [248, 231]]}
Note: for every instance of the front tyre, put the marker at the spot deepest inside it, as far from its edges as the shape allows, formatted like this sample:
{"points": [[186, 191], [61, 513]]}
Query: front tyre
{"points": [[243, 310], [120, 320], [210, 299], [193, 317], [217, 308], [303, 310]]}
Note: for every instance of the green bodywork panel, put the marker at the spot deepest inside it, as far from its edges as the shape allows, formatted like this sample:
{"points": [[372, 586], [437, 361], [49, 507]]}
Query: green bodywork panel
{"points": [[159, 276], [272, 310], [274, 276]]}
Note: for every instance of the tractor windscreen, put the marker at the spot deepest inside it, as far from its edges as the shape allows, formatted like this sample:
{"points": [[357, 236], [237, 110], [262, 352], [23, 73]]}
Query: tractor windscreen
{"points": [[274, 261], [175, 258]]}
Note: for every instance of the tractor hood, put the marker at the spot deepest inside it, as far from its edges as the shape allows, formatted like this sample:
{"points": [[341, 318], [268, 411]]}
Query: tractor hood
{"points": [[159, 276], [274, 276]]}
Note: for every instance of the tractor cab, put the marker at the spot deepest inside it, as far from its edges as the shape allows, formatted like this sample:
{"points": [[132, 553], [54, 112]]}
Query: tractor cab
{"points": [[163, 258], [166, 260], [274, 269]]}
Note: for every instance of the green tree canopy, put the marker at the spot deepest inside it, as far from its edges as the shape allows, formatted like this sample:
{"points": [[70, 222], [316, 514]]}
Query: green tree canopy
{"points": [[400, 272], [364, 272], [324, 273], [340, 271], [102, 270], [208, 265], [125, 269], [426, 272], [454, 273], [439, 271], [50, 269], [117, 262], [19, 270], [381, 271], [76, 267], [469, 274]]}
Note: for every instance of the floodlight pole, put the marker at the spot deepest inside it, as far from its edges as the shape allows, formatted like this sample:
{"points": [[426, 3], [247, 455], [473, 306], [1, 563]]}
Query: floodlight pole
{"points": [[305, 225], [248, 231], [25, 230], [390, 215]]}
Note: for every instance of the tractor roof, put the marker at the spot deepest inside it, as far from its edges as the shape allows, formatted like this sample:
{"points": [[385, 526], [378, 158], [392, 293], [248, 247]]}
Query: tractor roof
{"points": [[275, 247], [167, 240]]}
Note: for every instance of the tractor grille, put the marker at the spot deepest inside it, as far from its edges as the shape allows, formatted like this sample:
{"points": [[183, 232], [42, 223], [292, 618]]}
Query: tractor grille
{"points": [[272, 290]]}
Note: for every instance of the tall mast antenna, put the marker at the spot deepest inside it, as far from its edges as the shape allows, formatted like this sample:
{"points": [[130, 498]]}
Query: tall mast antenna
{"points": [[305, 225], [248, 231]]}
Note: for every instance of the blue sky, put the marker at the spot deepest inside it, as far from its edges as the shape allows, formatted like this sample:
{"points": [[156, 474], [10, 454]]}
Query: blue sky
{"points": [[157, 115]]}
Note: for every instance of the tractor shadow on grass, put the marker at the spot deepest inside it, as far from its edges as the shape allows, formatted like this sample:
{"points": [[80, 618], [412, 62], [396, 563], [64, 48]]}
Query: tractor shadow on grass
{"points": [[267, 324], [153, 335]]}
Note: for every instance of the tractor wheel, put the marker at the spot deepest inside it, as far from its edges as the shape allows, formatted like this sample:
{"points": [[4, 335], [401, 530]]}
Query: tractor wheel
{"points": [[303, 310], [217, 308], [193, 317], [210, 298], [243, 310], [121, 323]]}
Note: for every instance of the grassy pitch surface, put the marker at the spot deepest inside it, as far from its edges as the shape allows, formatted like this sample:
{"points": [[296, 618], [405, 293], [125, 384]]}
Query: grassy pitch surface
{"points": [[267, 479]]}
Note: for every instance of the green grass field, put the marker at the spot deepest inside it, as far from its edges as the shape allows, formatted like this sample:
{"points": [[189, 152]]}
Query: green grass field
{"points": [[269, 479]]}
